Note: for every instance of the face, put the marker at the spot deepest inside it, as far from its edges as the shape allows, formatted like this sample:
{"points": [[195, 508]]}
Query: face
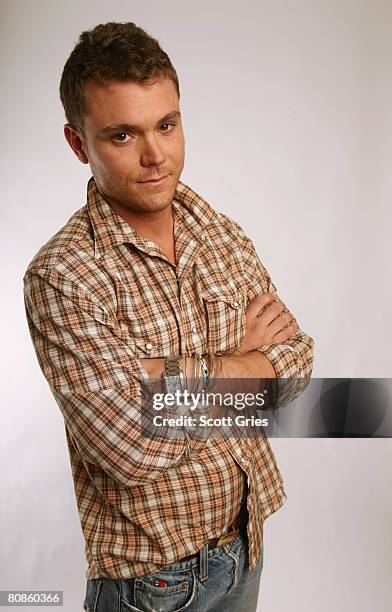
{"points": [[133, 141]]}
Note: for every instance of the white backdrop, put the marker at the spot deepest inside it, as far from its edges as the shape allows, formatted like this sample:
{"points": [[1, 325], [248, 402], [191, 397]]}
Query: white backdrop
{"points": [[287, 113]]}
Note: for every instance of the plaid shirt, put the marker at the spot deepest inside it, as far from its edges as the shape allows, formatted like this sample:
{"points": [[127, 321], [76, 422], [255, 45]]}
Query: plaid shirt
{"points": [[99, 297]]}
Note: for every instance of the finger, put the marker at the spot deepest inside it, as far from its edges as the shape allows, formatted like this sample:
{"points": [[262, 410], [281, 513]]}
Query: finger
{"points": [[286, 334], [280, 323], [272, 311], [258, 303]]}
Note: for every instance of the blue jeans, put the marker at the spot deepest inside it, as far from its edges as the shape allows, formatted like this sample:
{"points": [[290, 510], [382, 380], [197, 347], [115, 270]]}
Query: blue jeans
{"points": [[229, 586]]}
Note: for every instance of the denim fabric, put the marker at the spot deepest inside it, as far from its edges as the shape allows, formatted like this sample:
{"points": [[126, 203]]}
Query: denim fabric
{"points": [[230, 586]]}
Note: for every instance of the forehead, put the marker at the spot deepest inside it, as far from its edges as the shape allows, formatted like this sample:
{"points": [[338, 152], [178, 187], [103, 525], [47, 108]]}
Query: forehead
{"points": [[135, 102]]}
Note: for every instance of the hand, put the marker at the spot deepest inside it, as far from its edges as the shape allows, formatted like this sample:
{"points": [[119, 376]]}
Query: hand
{"points": [[154, 366], [267, 322]]}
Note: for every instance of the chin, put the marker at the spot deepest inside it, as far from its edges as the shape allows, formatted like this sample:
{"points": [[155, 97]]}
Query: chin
{"points": [[157, 204], [154, 203], [157, 200]]}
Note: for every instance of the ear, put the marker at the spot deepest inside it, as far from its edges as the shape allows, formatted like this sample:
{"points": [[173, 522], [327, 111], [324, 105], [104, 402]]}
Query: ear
{"points": [[75, 141]]}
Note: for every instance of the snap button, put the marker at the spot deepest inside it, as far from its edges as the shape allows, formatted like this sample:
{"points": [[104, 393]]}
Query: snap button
{"points": [[148, 346]]}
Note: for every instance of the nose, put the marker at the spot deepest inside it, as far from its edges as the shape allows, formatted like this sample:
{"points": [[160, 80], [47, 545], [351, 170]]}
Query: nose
{"points": [[152, 152]]}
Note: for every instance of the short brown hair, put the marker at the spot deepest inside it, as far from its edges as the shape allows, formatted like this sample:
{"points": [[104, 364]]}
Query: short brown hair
{"points": [[110, 52]]}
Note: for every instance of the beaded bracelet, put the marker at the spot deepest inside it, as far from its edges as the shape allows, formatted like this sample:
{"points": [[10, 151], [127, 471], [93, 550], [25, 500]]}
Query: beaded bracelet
{"points": [[212, 366], [202, 371]]}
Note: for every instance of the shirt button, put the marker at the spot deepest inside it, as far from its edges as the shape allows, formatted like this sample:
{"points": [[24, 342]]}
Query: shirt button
{"points": [[236, 304], [148, 346], [194, 330]]}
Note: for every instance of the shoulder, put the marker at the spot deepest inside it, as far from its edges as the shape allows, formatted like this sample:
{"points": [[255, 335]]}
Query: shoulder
{"points": [[73, 241], [66, 263], [66, 266], [232, 227], [218, 224]]}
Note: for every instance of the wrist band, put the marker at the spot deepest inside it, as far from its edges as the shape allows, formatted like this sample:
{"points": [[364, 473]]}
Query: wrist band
{"points": [[212, 365], [201, 371]]}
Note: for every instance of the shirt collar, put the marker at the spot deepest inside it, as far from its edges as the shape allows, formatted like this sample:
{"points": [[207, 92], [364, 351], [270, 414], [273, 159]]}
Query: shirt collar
{"points": [[110, 230]]}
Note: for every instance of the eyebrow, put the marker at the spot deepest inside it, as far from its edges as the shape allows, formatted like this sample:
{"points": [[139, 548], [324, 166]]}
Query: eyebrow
{"points": [[128, 127]]}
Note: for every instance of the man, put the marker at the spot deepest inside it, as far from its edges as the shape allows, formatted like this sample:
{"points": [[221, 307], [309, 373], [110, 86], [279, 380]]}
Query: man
{"points": [[149, 281]]}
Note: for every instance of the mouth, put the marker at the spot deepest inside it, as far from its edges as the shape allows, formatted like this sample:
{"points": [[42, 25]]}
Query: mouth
{"points": [[156, 181]]}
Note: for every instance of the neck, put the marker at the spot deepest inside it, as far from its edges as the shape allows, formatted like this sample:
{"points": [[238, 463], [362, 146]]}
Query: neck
{"points": [[156, 226], [153, 225]]}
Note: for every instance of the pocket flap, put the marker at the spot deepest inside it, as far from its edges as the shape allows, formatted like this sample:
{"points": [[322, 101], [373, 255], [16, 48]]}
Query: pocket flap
{"points": [[223, 294]]}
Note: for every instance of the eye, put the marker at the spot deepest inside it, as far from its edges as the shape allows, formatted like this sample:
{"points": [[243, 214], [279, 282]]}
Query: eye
{"points": [[167, 127], [121, 137]]}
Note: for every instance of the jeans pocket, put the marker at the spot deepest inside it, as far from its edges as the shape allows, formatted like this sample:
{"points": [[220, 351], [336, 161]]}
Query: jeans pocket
{"points": [[92, 593], [163, 591]]}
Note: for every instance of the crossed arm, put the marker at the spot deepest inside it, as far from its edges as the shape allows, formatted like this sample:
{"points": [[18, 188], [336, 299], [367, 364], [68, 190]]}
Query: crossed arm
{"points": [[273, 345], [95, 377], [267, 322]]}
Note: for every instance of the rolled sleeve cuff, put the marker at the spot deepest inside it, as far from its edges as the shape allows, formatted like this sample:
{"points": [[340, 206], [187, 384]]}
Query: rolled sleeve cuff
{"points": [[291, 378], [283, 358]]}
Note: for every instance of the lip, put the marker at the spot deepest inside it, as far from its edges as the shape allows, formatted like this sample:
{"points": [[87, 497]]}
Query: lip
{"points": [[154, 181]]}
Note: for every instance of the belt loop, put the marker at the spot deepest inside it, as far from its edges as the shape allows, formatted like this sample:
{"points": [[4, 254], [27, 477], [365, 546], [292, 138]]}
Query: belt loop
{"points": [[203, 564]]}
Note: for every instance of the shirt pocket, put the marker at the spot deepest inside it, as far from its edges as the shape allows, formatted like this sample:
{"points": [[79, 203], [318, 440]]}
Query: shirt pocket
{"points": [[146, 322], [225, 317], [150, 340]]}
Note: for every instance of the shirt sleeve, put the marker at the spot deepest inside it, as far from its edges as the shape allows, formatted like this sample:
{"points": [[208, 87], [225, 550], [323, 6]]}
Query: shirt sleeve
{"points": [[96, 381], [293, 358]]}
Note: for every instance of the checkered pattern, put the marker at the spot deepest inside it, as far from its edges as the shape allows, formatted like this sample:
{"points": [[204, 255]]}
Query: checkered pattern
{"points": [[99, 297]]}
